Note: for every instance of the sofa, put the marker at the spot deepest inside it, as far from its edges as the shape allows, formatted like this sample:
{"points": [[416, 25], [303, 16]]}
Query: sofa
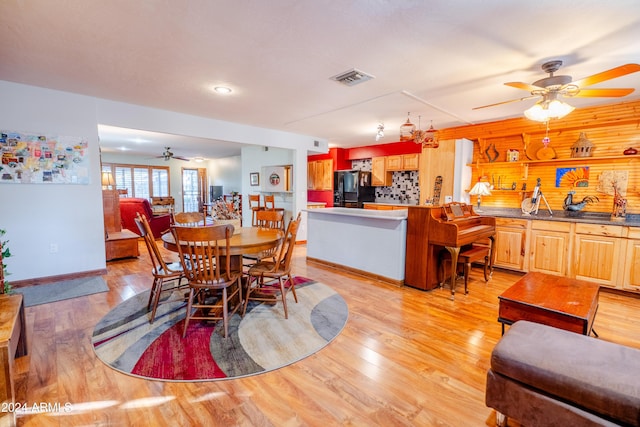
{"points": [[545, 376], [129, 206]]}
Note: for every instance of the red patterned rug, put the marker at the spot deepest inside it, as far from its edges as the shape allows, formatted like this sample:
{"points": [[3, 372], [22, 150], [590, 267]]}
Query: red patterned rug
{"points": [[260, 342]]}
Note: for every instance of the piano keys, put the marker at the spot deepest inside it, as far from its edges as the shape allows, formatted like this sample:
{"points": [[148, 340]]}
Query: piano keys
{"points": [[433, 228]]}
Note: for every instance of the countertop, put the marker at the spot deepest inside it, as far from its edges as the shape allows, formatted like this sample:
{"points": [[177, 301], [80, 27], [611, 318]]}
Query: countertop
{"points": [[632, 220], [396, 215]]}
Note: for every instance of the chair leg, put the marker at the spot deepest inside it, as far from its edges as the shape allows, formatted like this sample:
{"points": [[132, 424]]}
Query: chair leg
{"points": [[284, 297], [486, 269], [467, 268], [225, 312], [186, 319], [293, 288]]}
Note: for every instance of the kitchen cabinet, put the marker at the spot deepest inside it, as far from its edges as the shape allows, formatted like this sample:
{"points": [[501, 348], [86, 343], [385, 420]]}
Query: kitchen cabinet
{"points": [[631, 268], [320, 175], [380, 176], [311, 175], [403, 162], [597, 250], [511, 243], [550, 247]]}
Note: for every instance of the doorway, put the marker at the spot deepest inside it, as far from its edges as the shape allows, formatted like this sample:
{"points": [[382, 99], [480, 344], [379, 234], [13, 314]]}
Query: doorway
{"points": [[194, 195]]}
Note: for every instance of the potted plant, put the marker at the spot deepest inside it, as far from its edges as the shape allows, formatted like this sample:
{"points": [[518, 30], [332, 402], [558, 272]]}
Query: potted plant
{"points": [[4, 253]]}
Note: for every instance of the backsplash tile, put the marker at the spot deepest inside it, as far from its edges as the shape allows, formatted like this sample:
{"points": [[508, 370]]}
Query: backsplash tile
{"points": [[404, 185]]}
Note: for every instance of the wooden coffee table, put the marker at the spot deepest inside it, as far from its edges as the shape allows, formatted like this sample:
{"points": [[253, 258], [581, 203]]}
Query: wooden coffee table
{"points": [[561, 302]]}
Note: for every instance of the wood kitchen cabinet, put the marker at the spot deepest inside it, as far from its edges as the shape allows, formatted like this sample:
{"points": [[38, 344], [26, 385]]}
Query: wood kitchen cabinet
{"points": [[597, 250], [510, 243], [311, 175], [320, 175], [550, 247], [380, 176], [403, 162], [631, 268]]}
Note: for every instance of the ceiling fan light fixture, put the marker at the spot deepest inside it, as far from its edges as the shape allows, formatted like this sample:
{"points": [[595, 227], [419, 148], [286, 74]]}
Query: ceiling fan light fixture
{"points": [[546, 110]]}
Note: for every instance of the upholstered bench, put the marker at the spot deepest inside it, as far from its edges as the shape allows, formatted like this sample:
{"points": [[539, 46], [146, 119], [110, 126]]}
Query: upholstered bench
{"points": [[544, 376]]}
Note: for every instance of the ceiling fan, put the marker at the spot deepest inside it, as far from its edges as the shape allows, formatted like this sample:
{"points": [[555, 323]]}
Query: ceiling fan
{"points": [[168, 155], [550, 88]]}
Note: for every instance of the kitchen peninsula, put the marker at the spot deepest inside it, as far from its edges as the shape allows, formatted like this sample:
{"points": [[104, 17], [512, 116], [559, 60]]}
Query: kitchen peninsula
{"points": [[366, 242]]}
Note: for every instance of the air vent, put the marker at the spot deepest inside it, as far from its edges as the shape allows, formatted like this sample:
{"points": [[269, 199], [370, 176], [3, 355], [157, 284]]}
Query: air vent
{"points": [[352, 77]]}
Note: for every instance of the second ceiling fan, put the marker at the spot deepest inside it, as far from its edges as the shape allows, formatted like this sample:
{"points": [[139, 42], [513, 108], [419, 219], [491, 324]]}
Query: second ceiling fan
{"points": [[168, 155]]}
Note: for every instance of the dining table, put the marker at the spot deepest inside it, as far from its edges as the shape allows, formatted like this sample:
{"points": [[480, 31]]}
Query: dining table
{"points": [[244, 241]]}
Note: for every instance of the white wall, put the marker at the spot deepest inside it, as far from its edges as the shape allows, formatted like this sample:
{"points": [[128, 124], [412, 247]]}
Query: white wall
{"points": [[38, 215], [35, 216], [226, 172]]}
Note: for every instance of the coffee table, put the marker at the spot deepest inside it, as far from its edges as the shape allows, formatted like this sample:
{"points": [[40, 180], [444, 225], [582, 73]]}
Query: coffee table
{"points": [[564, 303]]}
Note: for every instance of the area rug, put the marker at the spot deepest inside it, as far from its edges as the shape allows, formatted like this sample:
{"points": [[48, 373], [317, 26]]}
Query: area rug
{"points": [[260, 342], [58, 291]]}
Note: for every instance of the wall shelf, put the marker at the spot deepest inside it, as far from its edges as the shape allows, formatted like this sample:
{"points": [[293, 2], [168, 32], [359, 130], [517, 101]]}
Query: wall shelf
{"points": [[551, 161]]}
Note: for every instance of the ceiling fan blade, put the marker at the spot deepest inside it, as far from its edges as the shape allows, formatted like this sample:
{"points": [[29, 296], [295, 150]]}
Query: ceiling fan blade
{"points": [[605, 93], [180, 158], [506, 102], [620, 71], [525, 86]]}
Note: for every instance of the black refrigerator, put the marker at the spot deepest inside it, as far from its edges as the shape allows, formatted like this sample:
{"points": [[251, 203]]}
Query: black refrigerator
{"points": [[352, 188]]}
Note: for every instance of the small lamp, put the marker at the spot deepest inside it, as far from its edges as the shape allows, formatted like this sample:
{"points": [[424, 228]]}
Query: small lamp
{"points": [[480, 189], [107, 180]]}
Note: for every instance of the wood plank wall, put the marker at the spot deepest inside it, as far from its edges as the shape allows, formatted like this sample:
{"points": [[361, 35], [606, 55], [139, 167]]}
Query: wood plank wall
{"points": [[611, 128]]}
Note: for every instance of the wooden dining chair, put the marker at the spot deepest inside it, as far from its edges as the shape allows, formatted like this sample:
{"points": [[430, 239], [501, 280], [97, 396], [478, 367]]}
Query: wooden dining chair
{"points": [[162, 271], [215, 291], [254, 204], [191, 219], [279, 268], [270, 219], [265, 219], [269, 201]]}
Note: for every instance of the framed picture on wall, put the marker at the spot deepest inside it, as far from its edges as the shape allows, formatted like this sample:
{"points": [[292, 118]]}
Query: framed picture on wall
{"points": [[254, 178]]}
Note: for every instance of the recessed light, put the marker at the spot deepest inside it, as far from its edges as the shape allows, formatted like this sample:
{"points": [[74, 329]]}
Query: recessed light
{"points": [[223, 90]]}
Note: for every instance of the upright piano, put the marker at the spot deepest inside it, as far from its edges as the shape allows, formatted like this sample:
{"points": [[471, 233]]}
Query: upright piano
{"points": [[433, 228]]}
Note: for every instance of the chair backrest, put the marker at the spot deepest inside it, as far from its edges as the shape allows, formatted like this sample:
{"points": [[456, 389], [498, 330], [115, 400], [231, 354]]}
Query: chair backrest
{"points": [[254, 200], [201, 250], [270, 219], [159, 265], [269, 201], [189, 218], [285, 253]]}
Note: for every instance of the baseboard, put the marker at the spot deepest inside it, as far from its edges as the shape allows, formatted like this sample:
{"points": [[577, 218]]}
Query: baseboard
{"points": [[366, 274], [58, 278]]}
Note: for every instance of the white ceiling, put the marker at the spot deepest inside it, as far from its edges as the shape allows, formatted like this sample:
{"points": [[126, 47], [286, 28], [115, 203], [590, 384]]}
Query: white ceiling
{"points": [[436, 59]]}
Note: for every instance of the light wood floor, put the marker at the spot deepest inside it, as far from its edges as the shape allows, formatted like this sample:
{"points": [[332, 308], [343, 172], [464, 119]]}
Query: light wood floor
{"points": [[405, 358]]}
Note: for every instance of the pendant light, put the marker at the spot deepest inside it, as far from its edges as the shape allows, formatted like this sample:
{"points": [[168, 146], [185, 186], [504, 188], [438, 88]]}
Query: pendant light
{"points": [[406, 130]]}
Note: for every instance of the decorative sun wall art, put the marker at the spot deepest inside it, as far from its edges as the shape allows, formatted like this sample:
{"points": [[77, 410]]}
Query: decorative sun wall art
{"points": [[572, 177], [29, 158]]}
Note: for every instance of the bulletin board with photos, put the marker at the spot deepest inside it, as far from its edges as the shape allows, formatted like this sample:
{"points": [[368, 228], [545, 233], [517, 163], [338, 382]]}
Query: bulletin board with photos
{"points": [[31, 158]]}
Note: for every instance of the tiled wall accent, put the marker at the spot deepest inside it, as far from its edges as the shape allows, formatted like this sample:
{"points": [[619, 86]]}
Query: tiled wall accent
{"points": [[404, 187]]}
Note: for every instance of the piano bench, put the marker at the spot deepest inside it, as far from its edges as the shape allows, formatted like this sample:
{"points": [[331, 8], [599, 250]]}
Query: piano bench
{"points": [[467, 255]]}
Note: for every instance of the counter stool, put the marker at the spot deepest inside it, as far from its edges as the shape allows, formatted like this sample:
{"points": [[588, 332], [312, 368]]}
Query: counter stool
{"points": [[254, 204], [467, 255]]}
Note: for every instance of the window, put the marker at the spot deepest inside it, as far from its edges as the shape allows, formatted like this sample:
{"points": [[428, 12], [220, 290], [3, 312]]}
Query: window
{"points": [[140, 180]]}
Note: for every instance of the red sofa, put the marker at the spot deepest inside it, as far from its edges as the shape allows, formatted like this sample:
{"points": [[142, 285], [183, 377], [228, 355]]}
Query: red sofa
{"points": [[129, 206]]}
